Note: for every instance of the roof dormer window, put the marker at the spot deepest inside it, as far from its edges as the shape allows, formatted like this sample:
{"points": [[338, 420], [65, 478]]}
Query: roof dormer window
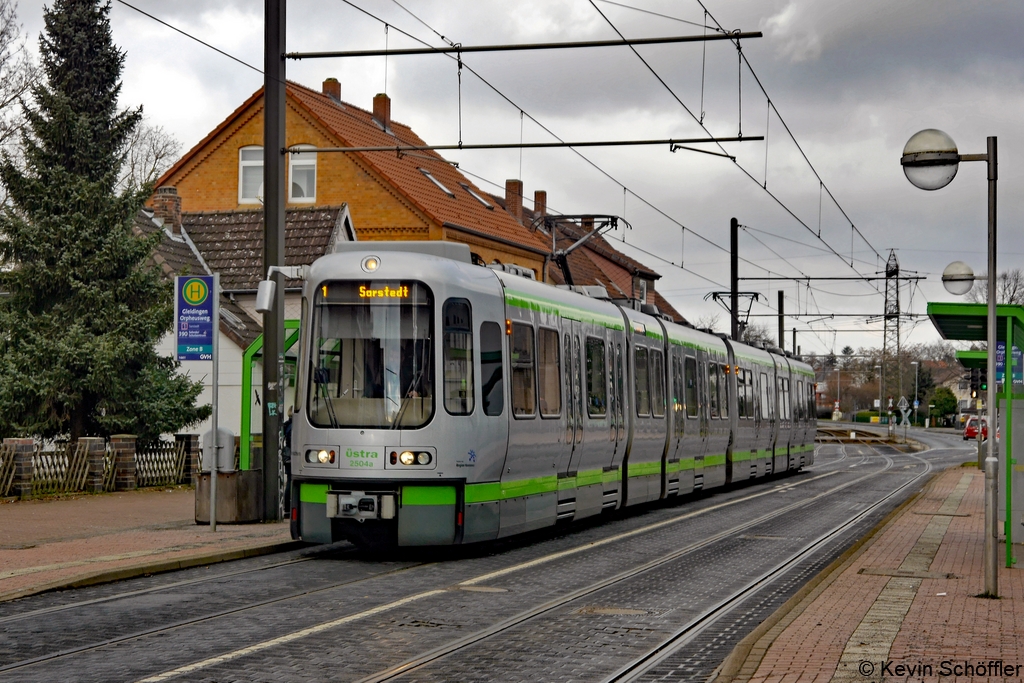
{"points": [[437, 182], [476, 196]]}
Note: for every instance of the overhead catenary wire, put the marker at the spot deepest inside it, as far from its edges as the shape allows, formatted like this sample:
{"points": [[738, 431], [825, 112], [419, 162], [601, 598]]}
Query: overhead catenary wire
{"points": [[544, 128]]}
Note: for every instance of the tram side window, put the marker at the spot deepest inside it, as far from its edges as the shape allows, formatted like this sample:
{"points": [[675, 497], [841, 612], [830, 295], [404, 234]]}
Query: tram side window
{"points": [[492, 387], [597, 382], [658, 383], [766, 404], [749, 394], [713, 390], [812, 409], [678, 400], [643, 387], [549, 377], [798, 405], [458, 357], [740, 394], [724, 390], [691, 387], [523, 380], [783, 396]]}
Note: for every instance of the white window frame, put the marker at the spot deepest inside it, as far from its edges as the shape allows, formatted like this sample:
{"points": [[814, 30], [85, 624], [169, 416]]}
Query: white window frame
{"points": [[302, 158], [242, 199]]}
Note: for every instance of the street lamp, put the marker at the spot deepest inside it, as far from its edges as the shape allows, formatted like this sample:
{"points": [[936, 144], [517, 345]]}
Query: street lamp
{"points": [[917, 368], [930, 161]]}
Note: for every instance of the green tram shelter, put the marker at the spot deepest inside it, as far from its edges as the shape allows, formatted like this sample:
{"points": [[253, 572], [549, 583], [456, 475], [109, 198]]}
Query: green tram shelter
{"points": [[968, 322]]}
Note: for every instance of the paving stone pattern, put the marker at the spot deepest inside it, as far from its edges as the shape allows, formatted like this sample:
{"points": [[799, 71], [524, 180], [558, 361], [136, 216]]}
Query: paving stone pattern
{"points": [[579, 641]]}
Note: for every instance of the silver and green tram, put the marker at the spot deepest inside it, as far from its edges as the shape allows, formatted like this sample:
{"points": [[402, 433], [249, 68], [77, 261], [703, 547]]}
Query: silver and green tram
{"points": [[439, 402]]}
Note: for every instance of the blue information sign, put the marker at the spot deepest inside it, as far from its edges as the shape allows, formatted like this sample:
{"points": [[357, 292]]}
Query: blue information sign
{"points": [[193, 317], [1018, 366]]}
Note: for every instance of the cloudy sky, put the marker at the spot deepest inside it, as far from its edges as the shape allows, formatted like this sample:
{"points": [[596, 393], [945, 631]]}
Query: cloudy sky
{"points": [[852, 80]]}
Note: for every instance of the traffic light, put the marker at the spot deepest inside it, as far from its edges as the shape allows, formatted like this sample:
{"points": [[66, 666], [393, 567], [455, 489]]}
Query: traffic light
{"points": [[983, 379], [975, 377]]}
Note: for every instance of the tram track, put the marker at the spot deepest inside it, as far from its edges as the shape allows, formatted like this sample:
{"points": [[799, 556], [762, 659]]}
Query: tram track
{"points": [[563, 601], [781, 487], [10, 618], [463, 643]]}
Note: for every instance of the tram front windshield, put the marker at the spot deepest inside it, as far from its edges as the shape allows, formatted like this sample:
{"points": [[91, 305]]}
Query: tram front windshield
{"points": [[372, 359]]}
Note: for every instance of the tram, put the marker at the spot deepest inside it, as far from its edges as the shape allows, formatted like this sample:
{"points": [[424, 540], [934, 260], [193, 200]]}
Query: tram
{"points": [[440, 402]]}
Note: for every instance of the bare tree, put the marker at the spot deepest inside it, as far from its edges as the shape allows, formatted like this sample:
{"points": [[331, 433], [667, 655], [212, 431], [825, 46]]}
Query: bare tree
{"points": [[1009, 288], [754, 334], [708, 321], [17, 72], [151, 151]]}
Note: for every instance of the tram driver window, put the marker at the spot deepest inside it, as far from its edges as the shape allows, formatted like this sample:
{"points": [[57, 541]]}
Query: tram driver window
{"points": [[547, 362], [492, 387], [524, 389], [597, 382], [643, 387], [691, 387], [458, 357]]}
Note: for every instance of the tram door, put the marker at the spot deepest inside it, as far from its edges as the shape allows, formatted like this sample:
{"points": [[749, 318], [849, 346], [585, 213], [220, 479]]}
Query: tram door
{"points": [[574, 394]]}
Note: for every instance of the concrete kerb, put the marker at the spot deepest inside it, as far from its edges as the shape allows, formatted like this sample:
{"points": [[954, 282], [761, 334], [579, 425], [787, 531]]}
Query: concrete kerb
{"points": [[741, 664], [122, 573]]}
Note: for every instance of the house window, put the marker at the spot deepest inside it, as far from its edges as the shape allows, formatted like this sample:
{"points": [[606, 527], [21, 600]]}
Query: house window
{"points": [[302, 171], [437, 182], [250, 175]]}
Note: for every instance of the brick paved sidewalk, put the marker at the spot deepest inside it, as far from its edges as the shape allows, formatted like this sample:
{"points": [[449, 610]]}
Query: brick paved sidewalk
{"points": [[46, 544], [905, 597]]}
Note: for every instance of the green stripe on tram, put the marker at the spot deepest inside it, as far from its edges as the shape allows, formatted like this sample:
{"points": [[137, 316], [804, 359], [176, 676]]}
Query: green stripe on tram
{"points": [[535, 303], [428, 495], [642, 469], [313, 493]]}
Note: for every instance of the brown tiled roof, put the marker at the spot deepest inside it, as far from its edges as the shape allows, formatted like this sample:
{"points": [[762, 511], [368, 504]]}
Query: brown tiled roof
{"points": [[173, 255], [231, 242]]}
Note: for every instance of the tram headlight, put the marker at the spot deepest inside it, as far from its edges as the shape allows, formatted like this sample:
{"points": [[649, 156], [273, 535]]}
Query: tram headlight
{"points": [[407, 458], [323, 456], [423, 458]]}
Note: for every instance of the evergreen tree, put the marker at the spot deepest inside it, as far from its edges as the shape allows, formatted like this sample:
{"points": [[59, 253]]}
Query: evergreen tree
{"points": [[82, 310]]}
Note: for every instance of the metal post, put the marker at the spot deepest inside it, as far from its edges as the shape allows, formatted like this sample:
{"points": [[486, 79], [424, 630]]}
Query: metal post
{"points": [[273, 243], [215, 352], [991, 463], [734, 278], [782, 320], [917, 374]]}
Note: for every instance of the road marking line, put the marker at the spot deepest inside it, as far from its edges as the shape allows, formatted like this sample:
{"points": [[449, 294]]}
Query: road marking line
{"points": [[235, 654]]}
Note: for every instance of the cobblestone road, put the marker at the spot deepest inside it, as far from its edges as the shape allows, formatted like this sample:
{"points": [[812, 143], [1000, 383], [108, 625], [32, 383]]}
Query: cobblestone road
{"points": [[338, 614]]}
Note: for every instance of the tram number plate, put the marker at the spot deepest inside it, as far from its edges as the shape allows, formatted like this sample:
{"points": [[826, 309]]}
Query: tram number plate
{"points": [[362, 459]]}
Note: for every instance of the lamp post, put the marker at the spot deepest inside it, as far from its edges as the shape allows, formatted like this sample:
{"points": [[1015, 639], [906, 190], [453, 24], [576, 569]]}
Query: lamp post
{"points": [[930, 161], [917, 368]]}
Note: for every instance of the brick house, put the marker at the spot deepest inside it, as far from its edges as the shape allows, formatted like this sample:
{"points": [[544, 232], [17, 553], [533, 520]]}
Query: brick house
{"points": [[409, 196]]}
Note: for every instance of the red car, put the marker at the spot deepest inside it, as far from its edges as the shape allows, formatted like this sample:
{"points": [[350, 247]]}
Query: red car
{"points": [[971, 429]]}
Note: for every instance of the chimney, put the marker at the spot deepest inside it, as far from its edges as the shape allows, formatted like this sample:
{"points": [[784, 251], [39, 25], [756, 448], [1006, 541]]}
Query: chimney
{"points": [[540, 203], [332, 88], [167, 205], [382, 110], [514, 198]]}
